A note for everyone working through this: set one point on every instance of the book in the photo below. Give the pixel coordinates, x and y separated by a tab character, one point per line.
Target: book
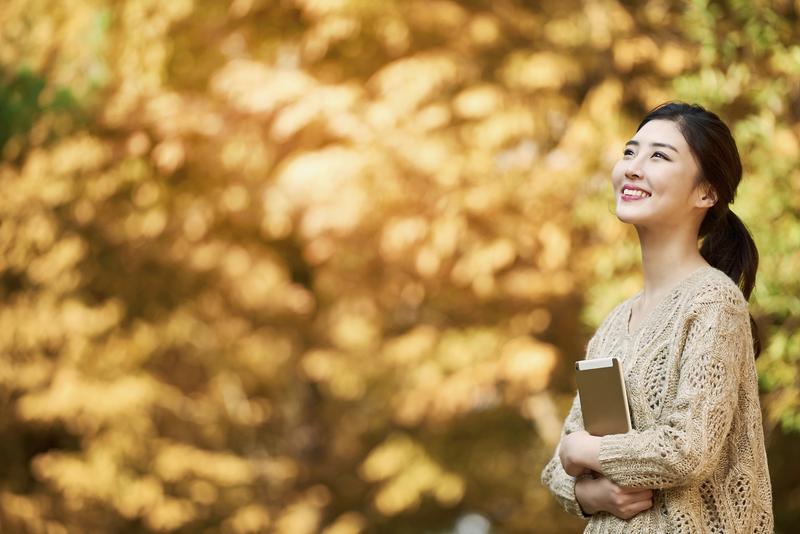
604	401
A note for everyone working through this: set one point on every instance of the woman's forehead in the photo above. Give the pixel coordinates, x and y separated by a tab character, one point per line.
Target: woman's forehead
661	131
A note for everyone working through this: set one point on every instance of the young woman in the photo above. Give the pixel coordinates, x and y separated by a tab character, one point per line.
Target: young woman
695	461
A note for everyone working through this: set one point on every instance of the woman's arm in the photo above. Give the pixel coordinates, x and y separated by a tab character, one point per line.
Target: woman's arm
602	495
687	446
560	484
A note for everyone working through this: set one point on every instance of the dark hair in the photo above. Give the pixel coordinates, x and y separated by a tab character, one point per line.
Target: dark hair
727	244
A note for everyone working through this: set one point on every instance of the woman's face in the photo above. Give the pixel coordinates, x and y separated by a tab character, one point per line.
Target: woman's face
658	161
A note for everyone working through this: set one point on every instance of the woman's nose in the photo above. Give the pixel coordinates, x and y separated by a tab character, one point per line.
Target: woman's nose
633	171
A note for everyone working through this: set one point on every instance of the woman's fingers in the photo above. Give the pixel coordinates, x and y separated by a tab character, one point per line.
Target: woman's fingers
623	502
631	493
631	503
639	495
627	500
632	509
624	489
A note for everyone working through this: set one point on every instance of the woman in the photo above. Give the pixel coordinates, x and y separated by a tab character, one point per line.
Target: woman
695	461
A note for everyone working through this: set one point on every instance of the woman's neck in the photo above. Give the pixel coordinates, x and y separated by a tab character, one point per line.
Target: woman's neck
667	258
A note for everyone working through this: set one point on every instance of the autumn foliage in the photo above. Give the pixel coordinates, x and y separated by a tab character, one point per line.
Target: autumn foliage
323	266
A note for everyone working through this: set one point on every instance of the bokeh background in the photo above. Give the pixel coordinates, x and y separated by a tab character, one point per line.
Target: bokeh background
302	266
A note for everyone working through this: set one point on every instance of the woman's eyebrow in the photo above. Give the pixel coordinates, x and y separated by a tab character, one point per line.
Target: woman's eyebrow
665	145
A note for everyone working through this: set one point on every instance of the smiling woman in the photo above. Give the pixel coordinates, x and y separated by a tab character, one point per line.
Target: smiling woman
658	162
695	461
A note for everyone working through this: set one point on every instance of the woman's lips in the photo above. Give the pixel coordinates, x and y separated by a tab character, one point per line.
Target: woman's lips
625	197
632	197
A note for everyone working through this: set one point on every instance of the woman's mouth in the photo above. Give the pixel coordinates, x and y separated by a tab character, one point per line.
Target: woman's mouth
633	194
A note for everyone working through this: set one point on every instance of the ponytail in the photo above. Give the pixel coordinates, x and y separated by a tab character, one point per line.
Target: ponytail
728	246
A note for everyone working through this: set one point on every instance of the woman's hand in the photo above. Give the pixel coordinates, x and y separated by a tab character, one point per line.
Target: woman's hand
578	452
601	495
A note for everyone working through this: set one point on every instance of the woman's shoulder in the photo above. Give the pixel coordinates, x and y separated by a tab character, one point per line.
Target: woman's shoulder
714	286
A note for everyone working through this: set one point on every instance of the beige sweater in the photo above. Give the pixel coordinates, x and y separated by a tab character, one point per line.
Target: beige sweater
697	437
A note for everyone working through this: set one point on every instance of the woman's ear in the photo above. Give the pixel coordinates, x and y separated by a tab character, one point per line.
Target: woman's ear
707	196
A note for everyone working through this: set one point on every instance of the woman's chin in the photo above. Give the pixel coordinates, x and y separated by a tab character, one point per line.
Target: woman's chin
629	218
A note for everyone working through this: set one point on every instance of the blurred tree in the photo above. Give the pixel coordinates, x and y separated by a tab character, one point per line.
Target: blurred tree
323	266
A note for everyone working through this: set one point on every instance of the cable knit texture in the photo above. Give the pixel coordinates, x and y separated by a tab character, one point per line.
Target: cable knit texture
697	438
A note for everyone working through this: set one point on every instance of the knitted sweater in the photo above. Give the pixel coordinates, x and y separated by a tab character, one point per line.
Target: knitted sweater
697	438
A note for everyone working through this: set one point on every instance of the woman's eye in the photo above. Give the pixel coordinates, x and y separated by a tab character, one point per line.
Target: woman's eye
629	152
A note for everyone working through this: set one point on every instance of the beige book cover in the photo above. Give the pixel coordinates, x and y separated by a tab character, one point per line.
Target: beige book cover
604	401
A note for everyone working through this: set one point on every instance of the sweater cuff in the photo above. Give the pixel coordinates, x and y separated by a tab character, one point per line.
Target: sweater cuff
614	456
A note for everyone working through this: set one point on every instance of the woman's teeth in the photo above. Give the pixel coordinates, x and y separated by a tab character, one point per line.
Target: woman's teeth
635	192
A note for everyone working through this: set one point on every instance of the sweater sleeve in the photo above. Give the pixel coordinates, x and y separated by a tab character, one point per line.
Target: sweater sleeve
688	443
560	484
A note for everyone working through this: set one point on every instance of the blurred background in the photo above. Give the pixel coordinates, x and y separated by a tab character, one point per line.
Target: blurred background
300	266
